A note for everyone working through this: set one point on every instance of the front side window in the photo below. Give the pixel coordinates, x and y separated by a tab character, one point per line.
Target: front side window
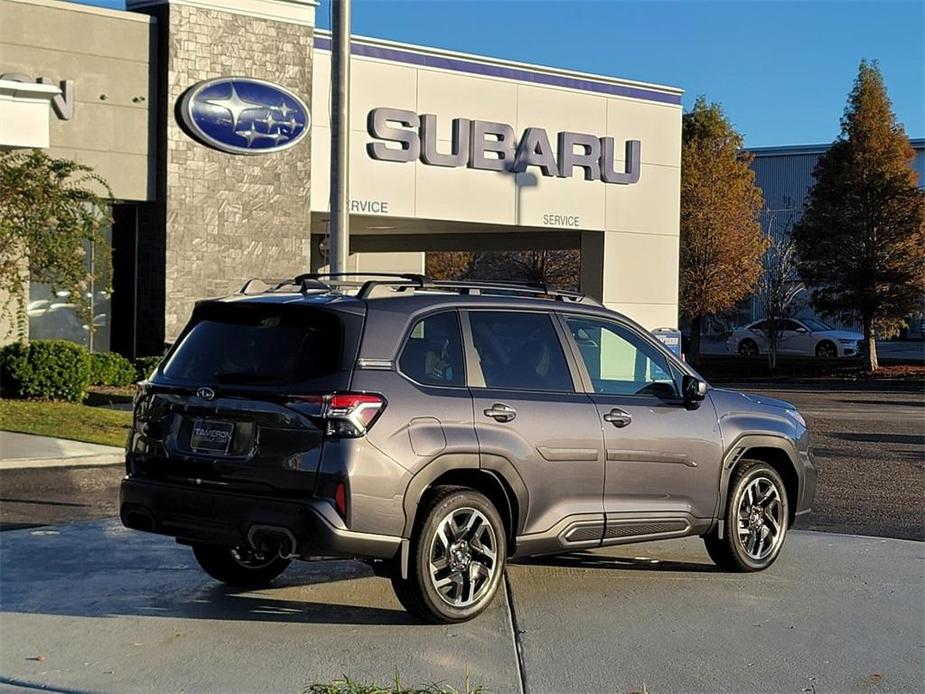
433	354
519	351
619	362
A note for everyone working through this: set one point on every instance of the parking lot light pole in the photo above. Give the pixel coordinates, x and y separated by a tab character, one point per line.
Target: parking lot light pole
339	224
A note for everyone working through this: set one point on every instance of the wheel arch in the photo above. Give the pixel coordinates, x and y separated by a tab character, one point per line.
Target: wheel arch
776	451
505	490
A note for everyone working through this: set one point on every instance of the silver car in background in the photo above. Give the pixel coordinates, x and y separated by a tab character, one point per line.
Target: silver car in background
805	337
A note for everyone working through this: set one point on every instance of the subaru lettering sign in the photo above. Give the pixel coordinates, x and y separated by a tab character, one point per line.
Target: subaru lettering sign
244	116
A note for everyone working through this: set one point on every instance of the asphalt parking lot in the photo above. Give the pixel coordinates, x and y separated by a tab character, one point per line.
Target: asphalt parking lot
91	606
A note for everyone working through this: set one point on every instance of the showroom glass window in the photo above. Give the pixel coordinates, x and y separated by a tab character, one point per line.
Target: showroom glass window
53	315
620	362
433	353
519	351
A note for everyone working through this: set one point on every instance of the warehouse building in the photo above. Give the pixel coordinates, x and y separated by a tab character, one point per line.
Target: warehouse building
211	126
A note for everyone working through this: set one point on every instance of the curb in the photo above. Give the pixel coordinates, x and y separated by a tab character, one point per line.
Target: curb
72	461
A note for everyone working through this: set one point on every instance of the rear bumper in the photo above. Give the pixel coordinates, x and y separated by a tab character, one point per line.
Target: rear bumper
222	518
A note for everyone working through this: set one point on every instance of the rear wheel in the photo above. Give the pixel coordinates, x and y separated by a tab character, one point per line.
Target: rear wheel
748	348
755	522
456	559
826	350
238	566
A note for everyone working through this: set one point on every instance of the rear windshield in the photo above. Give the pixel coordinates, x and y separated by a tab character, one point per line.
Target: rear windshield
265	345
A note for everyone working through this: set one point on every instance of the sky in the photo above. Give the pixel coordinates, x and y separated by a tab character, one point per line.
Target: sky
782	70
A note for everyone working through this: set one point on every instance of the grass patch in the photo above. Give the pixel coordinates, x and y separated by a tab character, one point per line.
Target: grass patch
349	686
65	420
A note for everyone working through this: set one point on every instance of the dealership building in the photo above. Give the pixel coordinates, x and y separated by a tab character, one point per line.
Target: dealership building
210	121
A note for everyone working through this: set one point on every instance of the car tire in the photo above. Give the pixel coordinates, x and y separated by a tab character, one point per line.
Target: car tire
238	567
456	557
826	350
748	348
755	524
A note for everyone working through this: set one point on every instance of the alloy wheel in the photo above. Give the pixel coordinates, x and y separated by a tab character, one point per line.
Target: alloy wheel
463	557
748	348
826	350
759	520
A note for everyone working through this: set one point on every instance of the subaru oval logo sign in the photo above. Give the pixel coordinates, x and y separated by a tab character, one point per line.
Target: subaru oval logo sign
205	393
244	116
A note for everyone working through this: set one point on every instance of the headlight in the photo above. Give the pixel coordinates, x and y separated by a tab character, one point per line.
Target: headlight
846	342
797	417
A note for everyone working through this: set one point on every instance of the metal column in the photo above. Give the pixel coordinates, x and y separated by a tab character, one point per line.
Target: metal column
339	224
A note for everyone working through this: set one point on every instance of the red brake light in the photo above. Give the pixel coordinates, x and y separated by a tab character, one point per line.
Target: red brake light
340	500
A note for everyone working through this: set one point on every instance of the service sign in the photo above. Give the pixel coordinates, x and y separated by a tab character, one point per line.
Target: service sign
242	115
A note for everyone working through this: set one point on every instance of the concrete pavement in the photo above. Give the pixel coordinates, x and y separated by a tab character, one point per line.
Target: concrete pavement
91	606
19	451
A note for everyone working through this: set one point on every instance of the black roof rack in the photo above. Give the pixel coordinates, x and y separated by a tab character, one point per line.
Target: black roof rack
310	281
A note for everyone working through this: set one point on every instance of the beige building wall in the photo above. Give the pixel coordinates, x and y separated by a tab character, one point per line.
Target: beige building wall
106	53
629	232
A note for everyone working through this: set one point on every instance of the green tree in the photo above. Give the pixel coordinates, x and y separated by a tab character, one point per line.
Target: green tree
721	239
50	214
861	240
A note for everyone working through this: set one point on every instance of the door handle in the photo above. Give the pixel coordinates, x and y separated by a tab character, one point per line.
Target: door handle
619	418
501	412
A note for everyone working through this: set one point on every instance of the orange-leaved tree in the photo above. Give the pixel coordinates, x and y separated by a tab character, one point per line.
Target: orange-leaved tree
861	240
721	245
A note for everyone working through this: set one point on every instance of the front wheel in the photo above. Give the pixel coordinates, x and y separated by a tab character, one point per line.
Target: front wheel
756	520
456	560
748	348
826	350
237	566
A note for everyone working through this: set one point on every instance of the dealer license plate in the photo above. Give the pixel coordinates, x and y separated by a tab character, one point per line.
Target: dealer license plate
211	436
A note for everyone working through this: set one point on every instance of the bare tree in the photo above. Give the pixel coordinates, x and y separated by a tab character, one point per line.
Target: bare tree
779	283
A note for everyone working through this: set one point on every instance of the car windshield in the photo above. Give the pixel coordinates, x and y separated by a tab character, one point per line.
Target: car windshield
816	325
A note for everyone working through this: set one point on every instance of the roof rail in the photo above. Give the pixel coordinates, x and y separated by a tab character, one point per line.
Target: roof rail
327	281
400	279
535	289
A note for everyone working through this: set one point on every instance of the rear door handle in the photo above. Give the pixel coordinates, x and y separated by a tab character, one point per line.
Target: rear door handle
619	418
501	412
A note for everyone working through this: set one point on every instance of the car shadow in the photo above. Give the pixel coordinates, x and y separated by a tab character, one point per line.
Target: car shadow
223	603
592	560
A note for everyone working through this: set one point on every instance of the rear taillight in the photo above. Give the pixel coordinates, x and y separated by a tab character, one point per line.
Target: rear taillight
348	415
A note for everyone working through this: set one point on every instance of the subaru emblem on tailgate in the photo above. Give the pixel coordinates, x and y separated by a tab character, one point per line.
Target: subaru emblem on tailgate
205	393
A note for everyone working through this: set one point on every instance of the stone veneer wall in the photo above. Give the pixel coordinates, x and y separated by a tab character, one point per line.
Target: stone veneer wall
229	217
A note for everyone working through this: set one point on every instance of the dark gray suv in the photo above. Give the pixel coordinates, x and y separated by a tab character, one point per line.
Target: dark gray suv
436	429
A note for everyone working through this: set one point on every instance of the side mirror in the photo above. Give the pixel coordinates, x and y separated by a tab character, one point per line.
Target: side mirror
802	330
693	391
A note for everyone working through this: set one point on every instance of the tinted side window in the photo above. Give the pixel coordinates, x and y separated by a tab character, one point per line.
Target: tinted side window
620	362
519	351
433	354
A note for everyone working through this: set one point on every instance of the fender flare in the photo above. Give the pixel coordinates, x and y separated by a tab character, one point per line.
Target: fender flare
739	450
497	468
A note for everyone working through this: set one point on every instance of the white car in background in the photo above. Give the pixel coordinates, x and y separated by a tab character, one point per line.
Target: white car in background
806	337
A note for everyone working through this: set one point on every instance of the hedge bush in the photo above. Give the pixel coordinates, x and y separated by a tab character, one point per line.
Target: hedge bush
111	369
145	365
50	369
